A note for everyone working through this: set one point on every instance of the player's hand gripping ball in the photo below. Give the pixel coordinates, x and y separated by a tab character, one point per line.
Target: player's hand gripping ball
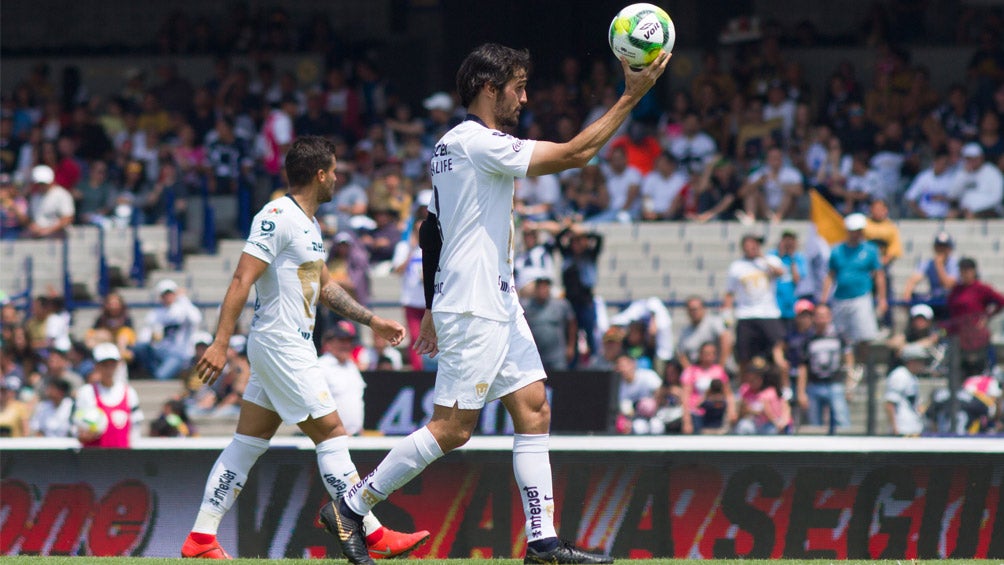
639	32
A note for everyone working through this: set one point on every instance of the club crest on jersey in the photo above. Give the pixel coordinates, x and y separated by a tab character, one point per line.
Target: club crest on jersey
481	389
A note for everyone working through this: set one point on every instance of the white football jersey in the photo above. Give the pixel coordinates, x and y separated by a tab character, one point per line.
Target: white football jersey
473	170
290	242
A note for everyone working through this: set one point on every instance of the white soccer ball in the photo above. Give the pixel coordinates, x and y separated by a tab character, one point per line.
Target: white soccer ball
639	32
92	420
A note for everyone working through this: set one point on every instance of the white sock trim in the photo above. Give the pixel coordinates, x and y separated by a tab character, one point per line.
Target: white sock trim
531	443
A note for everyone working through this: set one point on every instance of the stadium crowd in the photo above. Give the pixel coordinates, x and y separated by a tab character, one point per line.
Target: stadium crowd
745	142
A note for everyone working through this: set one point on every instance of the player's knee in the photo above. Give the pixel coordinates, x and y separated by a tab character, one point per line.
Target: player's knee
454	438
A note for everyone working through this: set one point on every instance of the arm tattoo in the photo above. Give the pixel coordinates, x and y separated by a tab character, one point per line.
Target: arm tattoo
335	297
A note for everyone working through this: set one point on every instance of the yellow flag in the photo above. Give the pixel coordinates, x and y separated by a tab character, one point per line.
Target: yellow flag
829	223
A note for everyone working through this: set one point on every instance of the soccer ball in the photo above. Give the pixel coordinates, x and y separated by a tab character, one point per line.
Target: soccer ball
639	32
93	420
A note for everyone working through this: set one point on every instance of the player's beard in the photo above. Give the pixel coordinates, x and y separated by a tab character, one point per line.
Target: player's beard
505	117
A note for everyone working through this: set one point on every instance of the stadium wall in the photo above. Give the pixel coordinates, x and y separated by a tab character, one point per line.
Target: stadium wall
723	497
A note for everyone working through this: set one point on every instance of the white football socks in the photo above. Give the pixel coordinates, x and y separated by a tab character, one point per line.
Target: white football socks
339	473
226	480
531	464
404	462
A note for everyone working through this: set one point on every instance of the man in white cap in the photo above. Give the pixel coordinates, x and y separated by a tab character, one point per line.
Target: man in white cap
440	107
858	282
978	188
51	206
165	343
114	397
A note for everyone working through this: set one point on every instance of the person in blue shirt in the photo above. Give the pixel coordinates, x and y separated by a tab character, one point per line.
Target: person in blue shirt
941	273
794	269
858	282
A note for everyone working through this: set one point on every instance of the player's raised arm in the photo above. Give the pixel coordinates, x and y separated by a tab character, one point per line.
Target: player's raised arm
249	269
551	157
341	302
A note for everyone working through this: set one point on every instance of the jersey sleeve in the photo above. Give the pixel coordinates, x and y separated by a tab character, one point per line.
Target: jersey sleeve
269	233
500	153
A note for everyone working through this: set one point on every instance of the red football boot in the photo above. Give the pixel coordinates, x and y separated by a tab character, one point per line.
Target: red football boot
385	543
197	550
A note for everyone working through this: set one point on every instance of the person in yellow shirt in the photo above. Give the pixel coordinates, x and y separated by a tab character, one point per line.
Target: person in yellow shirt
884	233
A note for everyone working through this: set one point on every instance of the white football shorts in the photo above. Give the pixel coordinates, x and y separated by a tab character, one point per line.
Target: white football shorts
288	384
481	359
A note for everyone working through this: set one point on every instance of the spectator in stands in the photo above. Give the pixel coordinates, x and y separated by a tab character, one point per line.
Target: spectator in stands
798	334
773	190
381	240
662	190
861	186
534	260
440	118
858	134
167	198
763	409
971	304
670	398
928	194
350	199
794	269
52	414
115	397
611	346
902	393
14	217
380	356
624	188
941	272
580	251
696	381
716	191
345	382
115	325
977	190
552	323
227	158
348	263
693	148
956	116
537	197
921	331
173	421
649	336
51	205
49	322
67	171
825	359
14	414
164	344
228	389
636	389
94	196
703	327
884	233
275	137
58	367
641	148
751	300
858	285
407	262
586	193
